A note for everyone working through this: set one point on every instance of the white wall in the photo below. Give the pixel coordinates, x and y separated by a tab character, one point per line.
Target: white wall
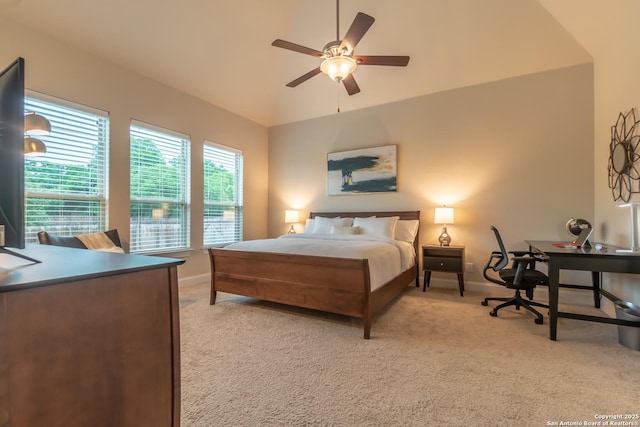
58	70
516	153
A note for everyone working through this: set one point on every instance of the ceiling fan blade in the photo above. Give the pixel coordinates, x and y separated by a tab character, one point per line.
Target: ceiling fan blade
296	47
350	85
397	61
304	78
359	27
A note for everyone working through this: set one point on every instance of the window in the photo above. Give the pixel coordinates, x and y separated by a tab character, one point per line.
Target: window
222	194
66	189
159	189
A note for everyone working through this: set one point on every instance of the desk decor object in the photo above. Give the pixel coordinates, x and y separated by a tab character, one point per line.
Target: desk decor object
624	175
367	170
575	226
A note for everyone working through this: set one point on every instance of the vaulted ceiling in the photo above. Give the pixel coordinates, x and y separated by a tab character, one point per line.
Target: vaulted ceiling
220	51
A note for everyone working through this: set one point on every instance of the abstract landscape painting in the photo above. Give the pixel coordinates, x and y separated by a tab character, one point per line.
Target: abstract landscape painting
367	170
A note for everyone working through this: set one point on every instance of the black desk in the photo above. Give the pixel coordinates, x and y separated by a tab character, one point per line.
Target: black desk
583	259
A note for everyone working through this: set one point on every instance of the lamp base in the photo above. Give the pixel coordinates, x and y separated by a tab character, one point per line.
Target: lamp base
444	239
291	230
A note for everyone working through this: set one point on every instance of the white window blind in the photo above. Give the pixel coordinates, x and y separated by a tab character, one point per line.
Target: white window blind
223	175
66	189
160	170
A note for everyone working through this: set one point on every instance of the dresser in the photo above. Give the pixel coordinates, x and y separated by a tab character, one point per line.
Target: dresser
89	339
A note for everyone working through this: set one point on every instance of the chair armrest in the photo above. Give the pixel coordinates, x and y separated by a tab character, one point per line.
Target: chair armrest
520	264
499	263
532	255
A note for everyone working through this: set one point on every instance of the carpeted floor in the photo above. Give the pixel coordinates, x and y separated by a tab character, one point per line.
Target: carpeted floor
434	358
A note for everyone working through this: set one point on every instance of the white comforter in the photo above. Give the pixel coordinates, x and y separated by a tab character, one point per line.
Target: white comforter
387	257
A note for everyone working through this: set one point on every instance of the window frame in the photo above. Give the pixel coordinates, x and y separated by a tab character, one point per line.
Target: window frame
237	204
182	202
64	132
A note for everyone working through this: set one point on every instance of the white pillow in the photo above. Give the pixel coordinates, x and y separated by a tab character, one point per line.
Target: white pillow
323	225
406	230
344	230
308	226
385	227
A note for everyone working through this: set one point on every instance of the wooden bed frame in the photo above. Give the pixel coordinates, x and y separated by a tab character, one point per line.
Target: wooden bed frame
335	285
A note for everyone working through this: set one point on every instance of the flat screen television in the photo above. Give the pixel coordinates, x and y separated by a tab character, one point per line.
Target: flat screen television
12	158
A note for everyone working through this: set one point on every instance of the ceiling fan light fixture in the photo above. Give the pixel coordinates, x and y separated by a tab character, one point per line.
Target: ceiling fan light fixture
338	67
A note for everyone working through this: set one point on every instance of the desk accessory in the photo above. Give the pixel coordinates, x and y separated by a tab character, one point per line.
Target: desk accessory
575	225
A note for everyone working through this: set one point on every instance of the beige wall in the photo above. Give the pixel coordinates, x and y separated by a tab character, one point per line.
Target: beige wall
60	71
517	154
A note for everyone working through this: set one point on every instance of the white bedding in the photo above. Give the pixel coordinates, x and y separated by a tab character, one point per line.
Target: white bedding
387	257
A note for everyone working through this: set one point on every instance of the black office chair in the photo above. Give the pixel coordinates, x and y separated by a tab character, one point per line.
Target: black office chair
521	276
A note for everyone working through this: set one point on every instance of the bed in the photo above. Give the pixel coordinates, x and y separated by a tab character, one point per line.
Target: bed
336	284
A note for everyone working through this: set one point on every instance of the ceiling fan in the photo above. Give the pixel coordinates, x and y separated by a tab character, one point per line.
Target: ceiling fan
339	61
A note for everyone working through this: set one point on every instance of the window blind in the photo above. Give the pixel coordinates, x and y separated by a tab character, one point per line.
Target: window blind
66	189
160	169
223	205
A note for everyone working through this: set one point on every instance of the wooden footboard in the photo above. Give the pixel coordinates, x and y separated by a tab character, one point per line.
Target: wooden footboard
335	285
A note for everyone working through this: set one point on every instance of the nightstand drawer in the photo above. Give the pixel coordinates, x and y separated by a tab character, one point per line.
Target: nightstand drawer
453	265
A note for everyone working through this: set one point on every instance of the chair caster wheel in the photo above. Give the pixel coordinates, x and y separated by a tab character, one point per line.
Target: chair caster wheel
484	303
493	314
538	321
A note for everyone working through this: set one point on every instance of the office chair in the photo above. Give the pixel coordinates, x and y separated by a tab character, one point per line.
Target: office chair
521	276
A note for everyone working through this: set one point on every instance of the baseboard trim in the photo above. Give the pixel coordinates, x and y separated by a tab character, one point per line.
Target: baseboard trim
194	280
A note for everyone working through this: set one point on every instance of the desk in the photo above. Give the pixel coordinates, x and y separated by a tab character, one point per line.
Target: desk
583	259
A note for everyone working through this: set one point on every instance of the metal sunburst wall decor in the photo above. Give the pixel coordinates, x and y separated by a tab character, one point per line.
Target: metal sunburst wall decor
624	175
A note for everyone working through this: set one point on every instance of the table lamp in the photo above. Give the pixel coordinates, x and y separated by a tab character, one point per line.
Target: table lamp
444	216
291	217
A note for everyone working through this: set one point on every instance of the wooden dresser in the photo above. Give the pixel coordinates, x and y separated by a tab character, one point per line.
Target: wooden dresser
89	338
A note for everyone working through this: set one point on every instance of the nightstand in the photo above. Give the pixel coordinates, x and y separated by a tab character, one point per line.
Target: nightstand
448	259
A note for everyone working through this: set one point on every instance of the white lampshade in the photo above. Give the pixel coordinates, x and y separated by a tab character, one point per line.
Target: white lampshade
338	67
35	124
443	215
291	217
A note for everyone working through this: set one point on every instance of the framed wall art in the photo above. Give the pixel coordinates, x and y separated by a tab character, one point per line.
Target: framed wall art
366	170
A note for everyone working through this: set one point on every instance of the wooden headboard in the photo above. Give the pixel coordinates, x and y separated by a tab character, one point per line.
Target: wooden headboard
402	214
